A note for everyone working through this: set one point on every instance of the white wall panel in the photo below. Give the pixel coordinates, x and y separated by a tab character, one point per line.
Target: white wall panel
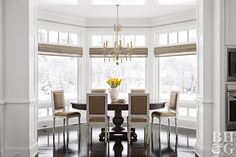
19	75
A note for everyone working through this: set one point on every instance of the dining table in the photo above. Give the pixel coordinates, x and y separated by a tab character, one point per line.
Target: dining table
118	130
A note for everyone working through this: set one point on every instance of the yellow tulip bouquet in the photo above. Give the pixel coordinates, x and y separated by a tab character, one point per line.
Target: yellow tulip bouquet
114	82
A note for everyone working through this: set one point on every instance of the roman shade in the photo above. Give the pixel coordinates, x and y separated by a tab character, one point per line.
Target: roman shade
60	50
99	52
175	50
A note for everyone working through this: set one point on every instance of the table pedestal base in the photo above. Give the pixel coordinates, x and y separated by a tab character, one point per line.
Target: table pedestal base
122	135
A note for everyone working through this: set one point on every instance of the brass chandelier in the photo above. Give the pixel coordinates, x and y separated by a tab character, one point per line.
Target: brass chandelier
118	52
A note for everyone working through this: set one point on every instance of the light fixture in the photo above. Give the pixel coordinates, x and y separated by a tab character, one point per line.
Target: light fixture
118	52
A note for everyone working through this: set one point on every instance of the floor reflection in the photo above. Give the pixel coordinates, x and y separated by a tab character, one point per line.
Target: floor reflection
75	145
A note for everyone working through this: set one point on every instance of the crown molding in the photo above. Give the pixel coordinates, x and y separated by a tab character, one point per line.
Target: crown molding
58	18
186	16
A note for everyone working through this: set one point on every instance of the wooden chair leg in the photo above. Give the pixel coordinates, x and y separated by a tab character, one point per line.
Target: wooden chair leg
168	135
159	126
79	126
54	124
176	127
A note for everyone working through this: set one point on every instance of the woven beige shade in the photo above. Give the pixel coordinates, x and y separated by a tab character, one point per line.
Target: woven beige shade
175	50
99	52
60	50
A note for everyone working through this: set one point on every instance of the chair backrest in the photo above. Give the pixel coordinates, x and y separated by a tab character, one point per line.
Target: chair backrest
96	105
98	90
174	98
139	104
58	101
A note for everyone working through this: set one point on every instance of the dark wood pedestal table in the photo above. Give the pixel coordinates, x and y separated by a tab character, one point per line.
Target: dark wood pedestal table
118	130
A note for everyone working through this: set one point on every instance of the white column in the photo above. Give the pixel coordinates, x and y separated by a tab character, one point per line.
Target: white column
1	81
20	108
210	104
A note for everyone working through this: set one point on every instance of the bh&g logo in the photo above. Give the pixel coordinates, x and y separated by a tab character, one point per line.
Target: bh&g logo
223	143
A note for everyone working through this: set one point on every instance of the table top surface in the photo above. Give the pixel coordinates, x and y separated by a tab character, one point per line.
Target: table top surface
153	104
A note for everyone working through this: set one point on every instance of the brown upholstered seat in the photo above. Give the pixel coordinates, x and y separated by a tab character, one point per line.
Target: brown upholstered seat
163	112
67	114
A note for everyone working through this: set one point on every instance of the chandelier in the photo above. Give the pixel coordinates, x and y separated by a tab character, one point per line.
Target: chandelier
118	52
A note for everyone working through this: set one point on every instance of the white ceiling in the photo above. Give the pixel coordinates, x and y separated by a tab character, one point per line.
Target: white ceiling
152	9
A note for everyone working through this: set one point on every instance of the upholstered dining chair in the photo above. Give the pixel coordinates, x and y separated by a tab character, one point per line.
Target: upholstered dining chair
59	110
169	111
138	113
97	113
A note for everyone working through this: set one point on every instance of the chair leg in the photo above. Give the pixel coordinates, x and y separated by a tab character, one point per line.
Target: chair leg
79	126
108	129
145	133
91	135
168	135
159	126
54	123
67	130
128	131
105	134
176	127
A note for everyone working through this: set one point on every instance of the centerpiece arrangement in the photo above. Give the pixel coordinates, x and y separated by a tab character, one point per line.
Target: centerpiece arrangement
114	83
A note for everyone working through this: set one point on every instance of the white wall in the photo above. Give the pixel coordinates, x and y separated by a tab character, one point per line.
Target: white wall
1	80
20	134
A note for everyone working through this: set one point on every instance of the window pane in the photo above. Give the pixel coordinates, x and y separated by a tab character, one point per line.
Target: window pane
56	72
183	36
110	39
178	73
97	41
42	112
192	112
140	41
53	37
73	39
192	35
43	36
173	38
132	72
182	111
128	39
163	39
63	38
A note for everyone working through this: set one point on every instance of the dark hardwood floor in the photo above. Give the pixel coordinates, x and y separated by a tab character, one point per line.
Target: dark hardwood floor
78	147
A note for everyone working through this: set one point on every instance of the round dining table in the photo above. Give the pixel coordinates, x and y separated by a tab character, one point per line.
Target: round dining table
118	130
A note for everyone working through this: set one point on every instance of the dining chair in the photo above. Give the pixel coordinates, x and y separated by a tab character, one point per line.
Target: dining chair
138	113
59	110
97	114
169	111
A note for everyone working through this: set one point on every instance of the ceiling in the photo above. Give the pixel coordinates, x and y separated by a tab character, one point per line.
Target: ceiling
151	8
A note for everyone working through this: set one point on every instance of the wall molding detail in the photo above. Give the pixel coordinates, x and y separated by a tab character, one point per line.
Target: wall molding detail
21	151
20	101
204	101
198	149
2	102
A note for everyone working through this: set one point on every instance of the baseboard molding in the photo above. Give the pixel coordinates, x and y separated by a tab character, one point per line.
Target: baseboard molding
21	151
1	153
198	150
